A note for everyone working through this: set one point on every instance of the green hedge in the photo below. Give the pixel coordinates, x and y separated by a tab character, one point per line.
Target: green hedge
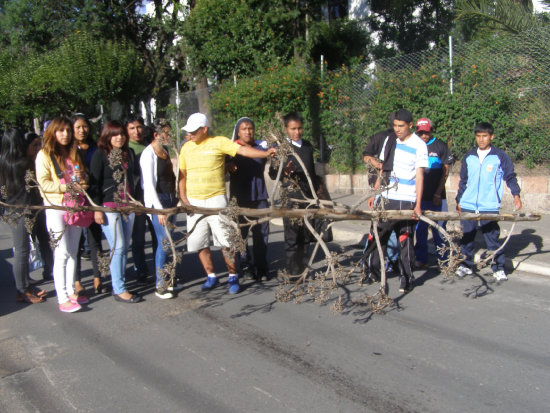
354	103
278	91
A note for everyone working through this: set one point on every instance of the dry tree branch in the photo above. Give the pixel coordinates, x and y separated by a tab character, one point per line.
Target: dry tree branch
490	258
312	208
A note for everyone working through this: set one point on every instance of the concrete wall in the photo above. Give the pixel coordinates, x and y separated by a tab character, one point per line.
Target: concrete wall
535	190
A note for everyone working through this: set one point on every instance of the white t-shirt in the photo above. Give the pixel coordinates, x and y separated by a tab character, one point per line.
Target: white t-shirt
409	156
483	153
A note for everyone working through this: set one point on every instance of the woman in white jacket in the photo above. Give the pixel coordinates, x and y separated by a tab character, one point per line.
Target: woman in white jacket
159	187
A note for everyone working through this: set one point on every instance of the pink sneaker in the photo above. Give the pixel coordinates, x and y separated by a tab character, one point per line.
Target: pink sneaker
82	299
69	308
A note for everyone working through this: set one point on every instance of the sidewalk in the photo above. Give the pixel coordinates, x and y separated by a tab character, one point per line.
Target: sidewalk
525	251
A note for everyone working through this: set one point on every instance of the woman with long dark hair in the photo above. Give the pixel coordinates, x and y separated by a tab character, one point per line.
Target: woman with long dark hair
58	163
16	158
111	178
87	147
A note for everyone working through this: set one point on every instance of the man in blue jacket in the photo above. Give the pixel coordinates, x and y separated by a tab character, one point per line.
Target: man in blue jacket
482	175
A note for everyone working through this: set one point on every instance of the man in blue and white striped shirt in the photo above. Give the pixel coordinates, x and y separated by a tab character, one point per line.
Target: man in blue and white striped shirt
406	180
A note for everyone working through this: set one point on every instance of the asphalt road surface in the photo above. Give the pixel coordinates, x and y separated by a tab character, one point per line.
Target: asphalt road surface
470	345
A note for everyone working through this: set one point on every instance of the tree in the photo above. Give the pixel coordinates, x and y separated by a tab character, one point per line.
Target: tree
79	74
31	28
487	17
340	42
231	38
408	26
245	37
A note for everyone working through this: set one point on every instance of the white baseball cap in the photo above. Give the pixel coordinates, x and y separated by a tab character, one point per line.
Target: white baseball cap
196	121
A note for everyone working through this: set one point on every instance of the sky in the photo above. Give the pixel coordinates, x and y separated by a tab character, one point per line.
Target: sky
538	5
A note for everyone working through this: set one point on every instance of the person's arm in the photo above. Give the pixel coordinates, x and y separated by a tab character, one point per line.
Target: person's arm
182	184
96	185
373	149
517	202
419	182
370	201
48	183
511	180
148	179
439	190
371	160
249	152
462	182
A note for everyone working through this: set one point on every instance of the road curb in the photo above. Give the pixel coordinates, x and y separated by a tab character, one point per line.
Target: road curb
512	264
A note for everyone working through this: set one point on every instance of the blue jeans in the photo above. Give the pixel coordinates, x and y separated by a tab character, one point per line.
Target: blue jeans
421	246
167	201
123	230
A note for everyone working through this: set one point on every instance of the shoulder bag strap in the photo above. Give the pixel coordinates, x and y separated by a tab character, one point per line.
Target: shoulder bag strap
56	166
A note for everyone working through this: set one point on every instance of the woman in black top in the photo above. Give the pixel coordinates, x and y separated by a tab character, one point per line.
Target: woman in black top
111	181
18	152
92	234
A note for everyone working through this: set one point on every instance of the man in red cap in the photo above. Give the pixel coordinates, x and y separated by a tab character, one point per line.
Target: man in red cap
433	196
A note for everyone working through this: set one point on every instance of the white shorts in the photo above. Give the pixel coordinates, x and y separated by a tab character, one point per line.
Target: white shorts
200	237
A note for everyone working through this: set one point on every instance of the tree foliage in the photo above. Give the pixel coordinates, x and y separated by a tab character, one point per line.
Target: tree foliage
281	89
481	18
406	26
33	32
229	38
245	37
80	73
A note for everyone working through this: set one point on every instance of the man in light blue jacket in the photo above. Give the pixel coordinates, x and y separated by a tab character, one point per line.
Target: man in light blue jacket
482	175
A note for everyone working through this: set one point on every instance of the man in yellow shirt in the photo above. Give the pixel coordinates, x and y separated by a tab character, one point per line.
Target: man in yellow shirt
202	183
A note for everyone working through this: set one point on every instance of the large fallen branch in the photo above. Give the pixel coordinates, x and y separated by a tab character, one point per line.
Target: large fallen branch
293	286
326	213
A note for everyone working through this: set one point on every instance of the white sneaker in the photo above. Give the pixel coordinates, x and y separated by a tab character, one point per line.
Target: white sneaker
175	288
500	275
463	271
164	294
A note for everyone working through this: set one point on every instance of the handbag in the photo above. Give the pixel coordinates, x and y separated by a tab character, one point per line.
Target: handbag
76	218
35	260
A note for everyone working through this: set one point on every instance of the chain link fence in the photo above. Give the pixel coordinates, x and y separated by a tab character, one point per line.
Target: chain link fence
503	80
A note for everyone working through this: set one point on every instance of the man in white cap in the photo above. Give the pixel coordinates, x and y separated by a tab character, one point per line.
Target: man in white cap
202	183
433	195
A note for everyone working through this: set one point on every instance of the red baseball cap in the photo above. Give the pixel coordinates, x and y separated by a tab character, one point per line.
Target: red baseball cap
423	125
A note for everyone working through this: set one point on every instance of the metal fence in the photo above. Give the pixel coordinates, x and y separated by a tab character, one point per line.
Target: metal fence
509	73
504	79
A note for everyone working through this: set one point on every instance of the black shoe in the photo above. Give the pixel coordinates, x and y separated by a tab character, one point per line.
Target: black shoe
133	299
403	284
406	284
261	276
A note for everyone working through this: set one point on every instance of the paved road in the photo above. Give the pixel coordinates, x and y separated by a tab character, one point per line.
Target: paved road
470	345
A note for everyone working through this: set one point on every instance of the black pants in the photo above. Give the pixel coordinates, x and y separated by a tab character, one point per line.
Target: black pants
94	234
297	239
405	240
22	248
491	233
138	243
260	235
